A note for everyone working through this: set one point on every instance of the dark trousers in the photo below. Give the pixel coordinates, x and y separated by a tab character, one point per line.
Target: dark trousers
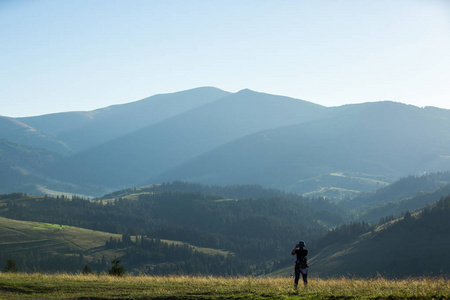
304	273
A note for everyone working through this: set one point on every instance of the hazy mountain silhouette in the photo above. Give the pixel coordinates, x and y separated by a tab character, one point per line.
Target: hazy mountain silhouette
14	130
149	151
82	130
21	165
384	138
210	136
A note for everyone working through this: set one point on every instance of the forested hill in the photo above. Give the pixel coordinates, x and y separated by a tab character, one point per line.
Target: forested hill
259	232
233	191
253	229
416	244
401	189
390	210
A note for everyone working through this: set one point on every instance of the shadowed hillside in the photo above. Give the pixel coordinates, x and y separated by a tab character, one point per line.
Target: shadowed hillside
23	168
414	244
130	159
209	136
406	187
16	131
384	138
21	165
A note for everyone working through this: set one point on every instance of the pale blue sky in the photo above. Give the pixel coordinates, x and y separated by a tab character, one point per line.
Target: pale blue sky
84	54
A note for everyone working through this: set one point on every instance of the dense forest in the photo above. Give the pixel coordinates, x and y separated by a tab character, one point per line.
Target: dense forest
253	235
151	256
404	188
252	230
413	245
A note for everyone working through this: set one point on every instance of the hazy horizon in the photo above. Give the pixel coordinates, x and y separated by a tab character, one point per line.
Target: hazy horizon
114	104
83	55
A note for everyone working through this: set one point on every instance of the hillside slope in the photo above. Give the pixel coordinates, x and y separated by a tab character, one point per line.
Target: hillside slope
401	189
130	159
23	168
58	247
414	245
21	165
210	136
21	133
24	241
83	130
373	140
396	208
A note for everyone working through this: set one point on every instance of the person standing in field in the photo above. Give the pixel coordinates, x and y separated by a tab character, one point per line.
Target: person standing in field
301	264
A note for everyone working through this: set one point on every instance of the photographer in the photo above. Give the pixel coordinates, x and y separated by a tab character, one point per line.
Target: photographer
301	264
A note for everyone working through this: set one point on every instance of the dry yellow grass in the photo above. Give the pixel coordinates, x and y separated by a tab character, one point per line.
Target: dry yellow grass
17	286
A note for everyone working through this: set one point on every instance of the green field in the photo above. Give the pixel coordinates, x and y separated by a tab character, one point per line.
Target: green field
27	237
23	236
38	286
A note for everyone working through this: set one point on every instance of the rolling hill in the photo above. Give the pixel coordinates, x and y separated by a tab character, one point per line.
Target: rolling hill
415	244
128	160
42	246
252	230
21	165
23	168
406	187
55	239
396	208
210	136
21	133
383	140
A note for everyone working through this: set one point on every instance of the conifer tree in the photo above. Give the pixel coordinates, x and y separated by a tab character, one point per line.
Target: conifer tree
11	266
116	268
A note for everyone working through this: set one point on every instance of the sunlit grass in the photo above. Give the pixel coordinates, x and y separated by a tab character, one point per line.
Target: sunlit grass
13	286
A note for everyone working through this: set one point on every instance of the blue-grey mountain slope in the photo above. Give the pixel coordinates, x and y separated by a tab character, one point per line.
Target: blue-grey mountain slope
150	151
404	188
14	130
23	169
83	130
385	139
20	167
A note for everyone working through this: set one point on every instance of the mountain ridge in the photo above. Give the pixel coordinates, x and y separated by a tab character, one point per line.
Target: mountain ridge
104	124
216	137
335	144
159	146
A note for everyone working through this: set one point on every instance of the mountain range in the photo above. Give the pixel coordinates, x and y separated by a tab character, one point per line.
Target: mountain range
210	136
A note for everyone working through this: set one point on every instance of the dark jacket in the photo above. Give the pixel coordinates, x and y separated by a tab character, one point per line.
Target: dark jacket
301	261
301	252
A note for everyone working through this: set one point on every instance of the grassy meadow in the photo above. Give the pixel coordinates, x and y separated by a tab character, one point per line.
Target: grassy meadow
62	286
24	236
